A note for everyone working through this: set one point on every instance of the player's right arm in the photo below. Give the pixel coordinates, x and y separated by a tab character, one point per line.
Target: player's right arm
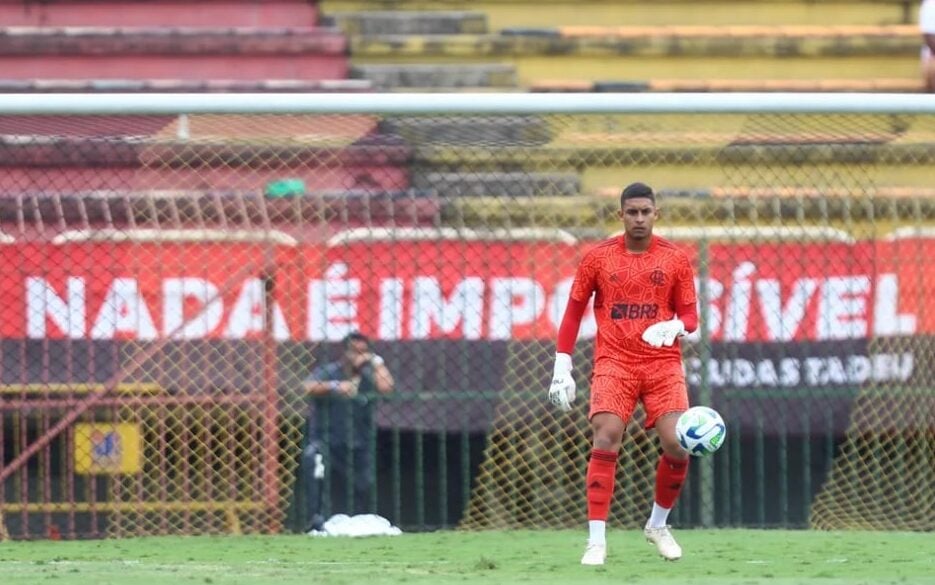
563	391
323	382
927	24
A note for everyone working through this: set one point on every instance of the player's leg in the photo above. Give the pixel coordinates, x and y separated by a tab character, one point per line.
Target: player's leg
612	404
340	465
363	479
313	476
670	473
664	402
608	429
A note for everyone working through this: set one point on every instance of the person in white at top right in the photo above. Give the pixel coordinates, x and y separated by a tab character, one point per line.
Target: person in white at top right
927	26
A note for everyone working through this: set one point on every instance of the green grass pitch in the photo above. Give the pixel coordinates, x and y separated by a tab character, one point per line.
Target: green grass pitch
723	557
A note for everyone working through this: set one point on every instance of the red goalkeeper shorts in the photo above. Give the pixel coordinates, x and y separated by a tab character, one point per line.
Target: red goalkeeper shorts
660	395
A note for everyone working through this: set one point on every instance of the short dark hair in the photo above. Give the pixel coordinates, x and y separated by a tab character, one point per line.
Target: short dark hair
355	336
637	191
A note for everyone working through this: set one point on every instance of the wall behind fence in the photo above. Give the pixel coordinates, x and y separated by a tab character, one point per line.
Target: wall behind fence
171	280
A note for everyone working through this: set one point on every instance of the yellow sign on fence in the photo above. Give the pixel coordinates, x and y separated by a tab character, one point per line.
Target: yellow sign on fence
107	448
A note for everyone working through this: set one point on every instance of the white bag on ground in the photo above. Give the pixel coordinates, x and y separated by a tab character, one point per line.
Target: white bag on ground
359	525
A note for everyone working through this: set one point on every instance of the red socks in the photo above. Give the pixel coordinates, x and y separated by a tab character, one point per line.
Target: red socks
602	470
670	475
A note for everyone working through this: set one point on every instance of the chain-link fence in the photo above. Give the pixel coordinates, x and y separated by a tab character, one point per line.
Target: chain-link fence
171	279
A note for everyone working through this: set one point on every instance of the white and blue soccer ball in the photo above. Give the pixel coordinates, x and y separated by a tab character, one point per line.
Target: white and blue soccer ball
701	430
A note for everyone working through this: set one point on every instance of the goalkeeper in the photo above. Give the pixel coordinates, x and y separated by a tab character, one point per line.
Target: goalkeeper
644	300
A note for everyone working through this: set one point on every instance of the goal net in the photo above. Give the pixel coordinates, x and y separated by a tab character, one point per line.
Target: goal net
176	268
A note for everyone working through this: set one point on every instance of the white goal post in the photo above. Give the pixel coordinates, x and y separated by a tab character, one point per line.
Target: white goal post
464	103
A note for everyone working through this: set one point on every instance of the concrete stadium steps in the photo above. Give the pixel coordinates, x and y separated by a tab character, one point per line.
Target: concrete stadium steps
184	86
876	85
178	169
493	131
453	76
173	53
802	53
679	151
858	213
685	152
502	14
19	132
168	13
34	216
44	214
497	183
864	167
408	22
23	133
184	156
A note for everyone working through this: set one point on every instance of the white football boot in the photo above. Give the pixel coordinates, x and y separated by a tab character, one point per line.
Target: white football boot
594	554
665	543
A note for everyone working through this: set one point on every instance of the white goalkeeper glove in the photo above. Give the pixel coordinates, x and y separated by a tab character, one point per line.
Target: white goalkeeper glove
664	333
562	392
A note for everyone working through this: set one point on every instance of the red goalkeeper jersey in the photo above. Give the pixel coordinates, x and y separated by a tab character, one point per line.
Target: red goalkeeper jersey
633	291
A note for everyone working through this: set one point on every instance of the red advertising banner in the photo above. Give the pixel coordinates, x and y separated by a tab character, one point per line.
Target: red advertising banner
440	289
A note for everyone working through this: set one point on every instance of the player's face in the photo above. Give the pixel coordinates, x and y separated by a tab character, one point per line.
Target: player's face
638	216
356	352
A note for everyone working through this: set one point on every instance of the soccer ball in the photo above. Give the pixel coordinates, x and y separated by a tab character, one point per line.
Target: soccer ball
700	430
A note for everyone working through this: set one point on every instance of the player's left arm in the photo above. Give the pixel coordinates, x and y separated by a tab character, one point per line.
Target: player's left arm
685	298
684	301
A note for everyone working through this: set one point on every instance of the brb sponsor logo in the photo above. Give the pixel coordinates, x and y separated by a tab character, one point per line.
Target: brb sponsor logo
634	311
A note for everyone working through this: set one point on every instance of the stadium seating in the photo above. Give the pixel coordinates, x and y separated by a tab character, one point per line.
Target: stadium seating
448	166
643	53
167	40
103	86
142	169
639	46
163	13
172	53
632	45
164	171
165	45
503	14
